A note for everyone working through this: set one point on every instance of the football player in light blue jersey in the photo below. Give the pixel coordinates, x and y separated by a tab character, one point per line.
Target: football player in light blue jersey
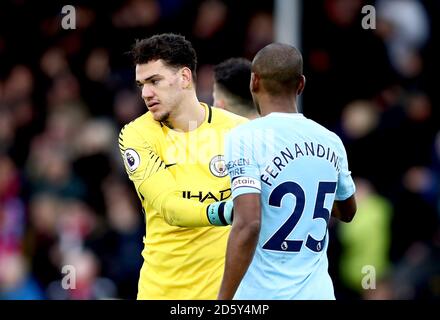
288	175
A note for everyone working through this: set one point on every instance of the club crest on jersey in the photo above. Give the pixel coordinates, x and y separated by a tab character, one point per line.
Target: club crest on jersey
217	166
132	159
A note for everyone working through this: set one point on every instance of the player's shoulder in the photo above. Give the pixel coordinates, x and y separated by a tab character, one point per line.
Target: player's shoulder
143	125
250	125
245	132
329	134
227	118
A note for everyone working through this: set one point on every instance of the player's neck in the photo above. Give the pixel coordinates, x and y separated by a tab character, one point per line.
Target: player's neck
269	104
189	116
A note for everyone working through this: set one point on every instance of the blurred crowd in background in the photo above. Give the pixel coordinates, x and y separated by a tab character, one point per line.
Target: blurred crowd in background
64	95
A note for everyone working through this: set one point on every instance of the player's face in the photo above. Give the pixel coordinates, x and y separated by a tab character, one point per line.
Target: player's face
161	89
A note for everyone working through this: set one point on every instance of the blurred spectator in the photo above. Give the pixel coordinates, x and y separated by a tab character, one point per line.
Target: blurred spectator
127	107
17	113
92	163
416	219
415	276
366	241
19	84
436	172
12	215
120	245
359	119
210	19
50	171
260	32
42	237
7	130
53	63
65	90
359	126
209	32
205	75
96	85
75	224
16	283
85	283
339	52
136	13
404	40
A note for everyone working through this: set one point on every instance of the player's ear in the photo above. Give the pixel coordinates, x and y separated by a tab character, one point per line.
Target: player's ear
254	85
186	76
301	85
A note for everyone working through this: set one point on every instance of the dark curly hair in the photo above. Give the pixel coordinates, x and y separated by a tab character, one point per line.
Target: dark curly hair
172	48
234	75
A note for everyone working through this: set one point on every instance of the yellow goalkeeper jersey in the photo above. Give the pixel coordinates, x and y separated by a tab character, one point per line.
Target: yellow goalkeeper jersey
176	176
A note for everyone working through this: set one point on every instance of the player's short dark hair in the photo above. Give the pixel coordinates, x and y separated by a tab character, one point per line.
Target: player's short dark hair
234	75
172	48
280	67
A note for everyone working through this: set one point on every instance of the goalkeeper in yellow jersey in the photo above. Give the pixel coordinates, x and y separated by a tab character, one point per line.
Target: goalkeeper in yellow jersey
174	156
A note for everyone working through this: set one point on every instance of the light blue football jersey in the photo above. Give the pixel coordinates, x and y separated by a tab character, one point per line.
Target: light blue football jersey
300	168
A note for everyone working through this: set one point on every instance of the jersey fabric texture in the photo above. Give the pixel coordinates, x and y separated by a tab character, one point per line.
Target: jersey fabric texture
176	175
299	168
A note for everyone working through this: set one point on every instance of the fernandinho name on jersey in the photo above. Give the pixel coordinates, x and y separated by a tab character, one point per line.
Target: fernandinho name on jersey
287	155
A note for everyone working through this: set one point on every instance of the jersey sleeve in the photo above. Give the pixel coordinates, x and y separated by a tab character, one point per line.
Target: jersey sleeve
155	185
242	167
345	187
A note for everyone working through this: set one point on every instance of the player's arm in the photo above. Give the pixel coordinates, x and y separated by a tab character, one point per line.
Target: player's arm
159	191
246	190
345	210
242	242
344	207
156	186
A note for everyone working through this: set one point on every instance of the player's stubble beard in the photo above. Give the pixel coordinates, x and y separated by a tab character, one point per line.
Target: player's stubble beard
164	118
160	115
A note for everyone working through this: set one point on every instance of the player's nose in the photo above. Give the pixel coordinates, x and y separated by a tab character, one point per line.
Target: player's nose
147	92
